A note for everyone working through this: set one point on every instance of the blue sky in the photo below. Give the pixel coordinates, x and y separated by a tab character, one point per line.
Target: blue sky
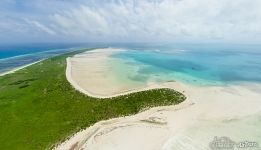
237	21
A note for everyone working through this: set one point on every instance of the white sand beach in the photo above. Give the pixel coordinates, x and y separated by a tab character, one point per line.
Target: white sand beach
89	73
207	112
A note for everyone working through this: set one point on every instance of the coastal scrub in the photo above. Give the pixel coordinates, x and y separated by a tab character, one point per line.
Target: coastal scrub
39	108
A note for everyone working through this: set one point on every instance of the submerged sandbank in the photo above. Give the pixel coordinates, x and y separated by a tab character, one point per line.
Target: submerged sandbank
209	111
91	74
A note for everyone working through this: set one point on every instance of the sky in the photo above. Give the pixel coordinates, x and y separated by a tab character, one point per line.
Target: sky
237	21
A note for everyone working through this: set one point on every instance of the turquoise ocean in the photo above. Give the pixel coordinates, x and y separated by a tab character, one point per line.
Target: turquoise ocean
202	64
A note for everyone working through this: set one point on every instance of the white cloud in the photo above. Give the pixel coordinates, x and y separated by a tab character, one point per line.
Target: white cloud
142	20
81	21
165	20
41	27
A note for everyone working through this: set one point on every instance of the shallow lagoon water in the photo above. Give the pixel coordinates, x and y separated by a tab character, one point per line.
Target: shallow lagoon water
221	66
194	66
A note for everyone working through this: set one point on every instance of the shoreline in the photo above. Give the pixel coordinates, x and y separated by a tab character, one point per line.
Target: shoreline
19	68
91	94
24	66
82	136
79	88
203	105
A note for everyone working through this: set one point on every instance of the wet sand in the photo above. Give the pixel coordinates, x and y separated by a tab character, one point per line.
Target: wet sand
208	111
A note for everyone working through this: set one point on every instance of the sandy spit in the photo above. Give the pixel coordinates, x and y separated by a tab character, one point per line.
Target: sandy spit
157	128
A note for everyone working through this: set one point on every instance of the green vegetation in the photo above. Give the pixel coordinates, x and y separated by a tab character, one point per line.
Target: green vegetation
39	108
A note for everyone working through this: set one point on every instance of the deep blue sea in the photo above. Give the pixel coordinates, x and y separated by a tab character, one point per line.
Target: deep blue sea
7	51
